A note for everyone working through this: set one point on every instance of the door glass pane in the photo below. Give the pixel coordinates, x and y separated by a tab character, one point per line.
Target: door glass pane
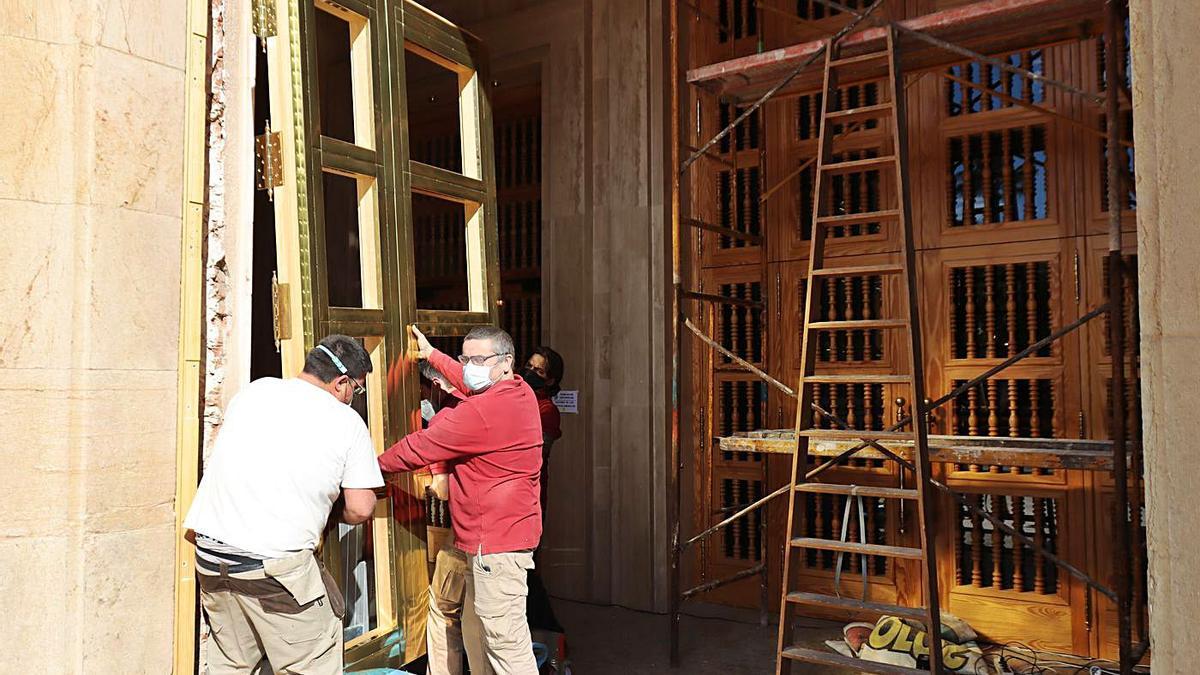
433	113
440	247
344	75
350	549
356	578
351	258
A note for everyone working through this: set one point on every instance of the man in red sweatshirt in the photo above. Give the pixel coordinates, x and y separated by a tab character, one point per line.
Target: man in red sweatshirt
492	440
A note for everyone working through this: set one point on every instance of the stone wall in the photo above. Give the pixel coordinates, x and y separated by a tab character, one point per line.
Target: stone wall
1166	57
91	147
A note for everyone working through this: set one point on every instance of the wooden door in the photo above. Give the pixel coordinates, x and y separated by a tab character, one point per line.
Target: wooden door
347	247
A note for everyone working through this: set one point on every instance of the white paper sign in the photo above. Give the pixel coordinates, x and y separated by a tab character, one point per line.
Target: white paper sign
567	401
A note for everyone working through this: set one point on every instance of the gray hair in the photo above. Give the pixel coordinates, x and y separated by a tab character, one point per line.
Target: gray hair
429	372
502	342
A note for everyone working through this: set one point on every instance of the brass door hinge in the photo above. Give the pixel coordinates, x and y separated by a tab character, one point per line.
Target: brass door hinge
268	164
281	311
263	18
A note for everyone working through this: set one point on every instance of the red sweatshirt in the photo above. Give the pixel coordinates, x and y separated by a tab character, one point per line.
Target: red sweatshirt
551	419
494	442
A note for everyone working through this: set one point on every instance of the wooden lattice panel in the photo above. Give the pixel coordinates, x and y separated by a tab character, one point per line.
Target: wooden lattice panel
989	87
738	204
740	328
738	20
997	176
999	310
988	558
745	136
742	541
520	222
808	108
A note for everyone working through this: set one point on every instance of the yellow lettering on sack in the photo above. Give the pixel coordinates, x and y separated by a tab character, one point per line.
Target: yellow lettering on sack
954	656
920	645
904	641
885	633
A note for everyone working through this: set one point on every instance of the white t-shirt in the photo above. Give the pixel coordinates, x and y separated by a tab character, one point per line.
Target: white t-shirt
285	450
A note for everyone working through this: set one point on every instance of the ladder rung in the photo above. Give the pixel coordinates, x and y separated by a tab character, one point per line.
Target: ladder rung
807	655
858	218
858	379
855	547
856	435
864	270
864	490
853	165
858	324
861	113
833	602
861	58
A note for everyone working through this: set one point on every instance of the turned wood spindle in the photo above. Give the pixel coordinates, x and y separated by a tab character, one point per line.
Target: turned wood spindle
969	276
1013	421
989	288
1010	307
973	417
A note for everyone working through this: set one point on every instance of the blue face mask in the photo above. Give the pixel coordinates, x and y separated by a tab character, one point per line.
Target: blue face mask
478	378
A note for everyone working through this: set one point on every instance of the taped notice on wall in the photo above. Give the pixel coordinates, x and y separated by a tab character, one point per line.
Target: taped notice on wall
567	401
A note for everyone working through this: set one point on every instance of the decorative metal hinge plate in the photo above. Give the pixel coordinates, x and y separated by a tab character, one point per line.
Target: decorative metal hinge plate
263	17
281	314
268	165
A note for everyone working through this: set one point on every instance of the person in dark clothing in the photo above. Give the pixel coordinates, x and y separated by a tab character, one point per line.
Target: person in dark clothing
543	372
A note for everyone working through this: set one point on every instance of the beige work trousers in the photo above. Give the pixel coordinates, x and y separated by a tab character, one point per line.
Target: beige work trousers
249	623
444	630
494	618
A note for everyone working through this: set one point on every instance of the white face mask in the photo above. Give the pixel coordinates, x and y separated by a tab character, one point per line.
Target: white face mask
476	377
427	410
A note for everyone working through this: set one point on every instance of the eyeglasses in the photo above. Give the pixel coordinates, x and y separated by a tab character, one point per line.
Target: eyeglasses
360	388
479	359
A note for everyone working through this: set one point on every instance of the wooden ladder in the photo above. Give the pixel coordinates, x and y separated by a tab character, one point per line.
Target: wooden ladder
908	323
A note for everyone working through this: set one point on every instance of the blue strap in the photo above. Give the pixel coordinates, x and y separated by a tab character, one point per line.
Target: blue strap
336	361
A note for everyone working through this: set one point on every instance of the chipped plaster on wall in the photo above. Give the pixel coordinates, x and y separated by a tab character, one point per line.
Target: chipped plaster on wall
216	276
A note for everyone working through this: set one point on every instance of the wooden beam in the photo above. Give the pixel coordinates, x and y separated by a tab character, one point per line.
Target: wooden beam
1038	453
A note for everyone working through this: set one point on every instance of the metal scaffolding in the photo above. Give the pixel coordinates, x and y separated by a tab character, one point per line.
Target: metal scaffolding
993	26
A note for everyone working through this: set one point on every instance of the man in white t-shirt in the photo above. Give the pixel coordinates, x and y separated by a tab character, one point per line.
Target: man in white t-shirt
287	450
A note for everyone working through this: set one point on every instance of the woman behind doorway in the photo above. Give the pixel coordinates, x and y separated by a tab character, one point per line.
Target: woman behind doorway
543	372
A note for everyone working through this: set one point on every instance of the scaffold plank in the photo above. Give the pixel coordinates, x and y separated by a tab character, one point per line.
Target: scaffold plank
987	27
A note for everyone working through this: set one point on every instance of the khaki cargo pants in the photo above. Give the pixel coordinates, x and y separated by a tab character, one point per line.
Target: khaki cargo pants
490	625
494	621
289	612
444	628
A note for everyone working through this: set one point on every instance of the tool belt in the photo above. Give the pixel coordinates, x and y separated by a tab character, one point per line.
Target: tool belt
273	595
